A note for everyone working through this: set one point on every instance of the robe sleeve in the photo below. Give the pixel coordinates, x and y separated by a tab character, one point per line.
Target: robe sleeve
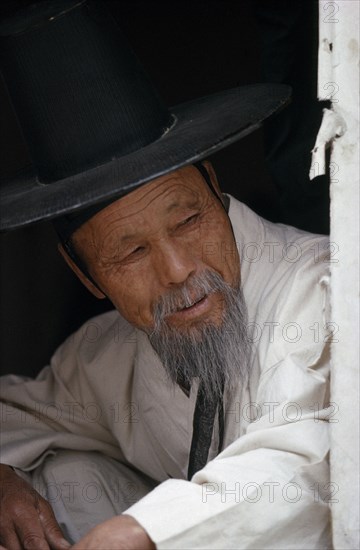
58	409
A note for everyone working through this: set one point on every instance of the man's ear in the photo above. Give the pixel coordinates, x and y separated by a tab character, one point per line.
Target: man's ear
85	281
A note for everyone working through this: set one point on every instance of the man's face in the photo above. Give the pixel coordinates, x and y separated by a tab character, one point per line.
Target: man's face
152	242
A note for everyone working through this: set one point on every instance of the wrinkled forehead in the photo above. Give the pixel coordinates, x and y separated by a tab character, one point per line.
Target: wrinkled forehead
151	203
184	181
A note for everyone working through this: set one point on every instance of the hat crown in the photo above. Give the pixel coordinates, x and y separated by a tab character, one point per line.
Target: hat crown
80	94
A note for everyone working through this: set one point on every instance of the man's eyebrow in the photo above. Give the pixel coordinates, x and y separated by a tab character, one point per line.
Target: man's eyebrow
176	204
123	239
129	237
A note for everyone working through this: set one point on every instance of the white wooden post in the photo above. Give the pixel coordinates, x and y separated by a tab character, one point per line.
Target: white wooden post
339	81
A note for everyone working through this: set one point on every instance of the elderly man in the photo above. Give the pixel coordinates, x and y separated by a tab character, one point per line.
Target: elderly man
194	415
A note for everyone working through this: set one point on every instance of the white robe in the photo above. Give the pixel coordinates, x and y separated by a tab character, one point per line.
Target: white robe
106	390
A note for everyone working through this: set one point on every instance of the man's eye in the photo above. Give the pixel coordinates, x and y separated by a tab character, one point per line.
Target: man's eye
133	253
190	220
136	250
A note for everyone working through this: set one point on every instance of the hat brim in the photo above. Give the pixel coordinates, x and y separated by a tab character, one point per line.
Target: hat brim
200	128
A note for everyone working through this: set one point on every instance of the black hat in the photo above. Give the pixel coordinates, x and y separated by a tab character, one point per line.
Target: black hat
95	126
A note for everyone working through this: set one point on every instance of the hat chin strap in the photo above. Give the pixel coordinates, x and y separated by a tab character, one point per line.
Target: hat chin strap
80	264
70	250
205	174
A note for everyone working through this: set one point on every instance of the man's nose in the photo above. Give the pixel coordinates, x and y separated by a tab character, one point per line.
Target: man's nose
174	263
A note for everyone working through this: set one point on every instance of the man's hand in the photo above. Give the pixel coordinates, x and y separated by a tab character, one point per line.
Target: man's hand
118	533
27	520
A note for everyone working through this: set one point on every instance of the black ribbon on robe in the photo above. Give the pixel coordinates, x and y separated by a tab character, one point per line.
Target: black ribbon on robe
203	426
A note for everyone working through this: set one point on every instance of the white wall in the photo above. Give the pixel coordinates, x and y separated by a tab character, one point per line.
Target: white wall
339	81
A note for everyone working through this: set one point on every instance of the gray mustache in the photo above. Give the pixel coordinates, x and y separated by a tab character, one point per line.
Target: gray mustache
195	289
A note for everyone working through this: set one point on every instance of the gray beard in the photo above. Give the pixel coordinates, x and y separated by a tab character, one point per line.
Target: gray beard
217	355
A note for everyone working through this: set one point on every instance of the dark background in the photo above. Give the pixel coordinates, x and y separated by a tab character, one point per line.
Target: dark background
189	49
